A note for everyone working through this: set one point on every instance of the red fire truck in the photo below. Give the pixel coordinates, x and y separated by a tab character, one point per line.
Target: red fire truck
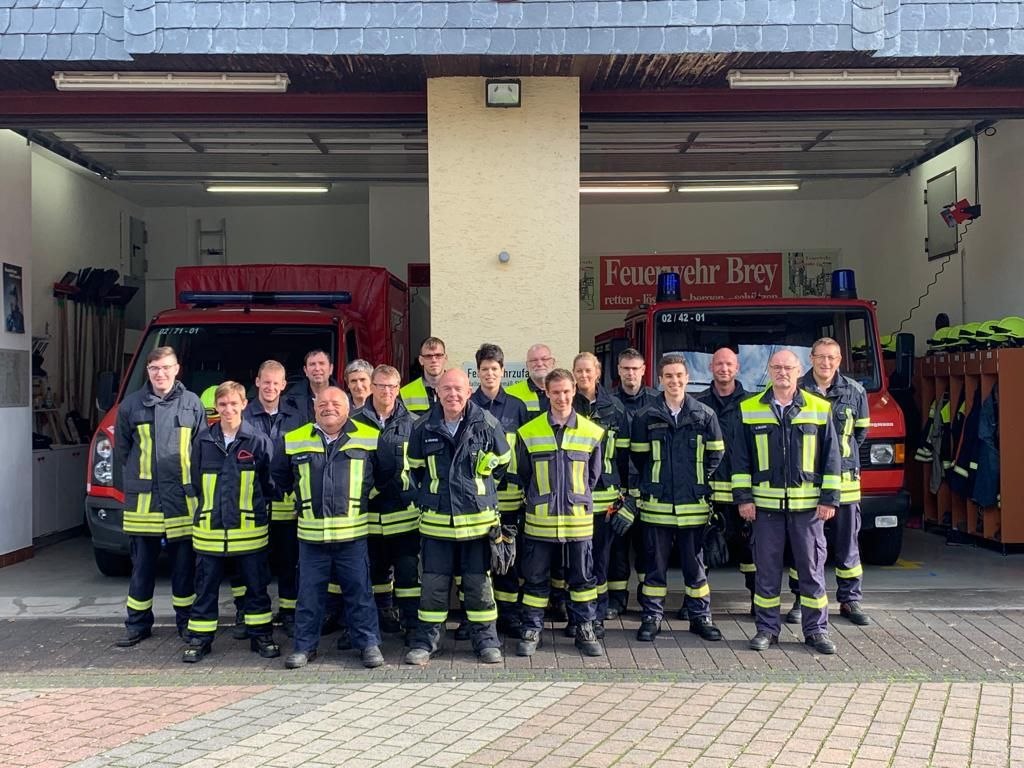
756	329
226	322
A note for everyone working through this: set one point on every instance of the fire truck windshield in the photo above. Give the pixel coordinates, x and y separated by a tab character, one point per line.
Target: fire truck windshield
214	353
756	333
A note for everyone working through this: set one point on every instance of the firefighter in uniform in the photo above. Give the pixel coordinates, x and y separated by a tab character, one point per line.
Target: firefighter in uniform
634	396
851	418
458	453
511	414
785	479
232	487
394	518
594	402
419	394
334	465
274	416
156	427
559	464
724	397
676	445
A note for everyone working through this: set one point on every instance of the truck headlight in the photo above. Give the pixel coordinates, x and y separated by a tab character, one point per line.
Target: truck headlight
882	453
102	467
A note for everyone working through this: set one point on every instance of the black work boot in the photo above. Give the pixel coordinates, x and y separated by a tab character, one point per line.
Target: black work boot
265	646
763	640
795	615
599	629
703	627
821	642
198	647
388	620
649	629
855	614
530	642
587	641
239	632
133	637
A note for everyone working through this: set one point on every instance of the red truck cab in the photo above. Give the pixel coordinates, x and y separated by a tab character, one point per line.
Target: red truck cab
756	329
226	322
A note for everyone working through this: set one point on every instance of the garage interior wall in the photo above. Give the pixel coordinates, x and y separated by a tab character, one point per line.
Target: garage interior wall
16	422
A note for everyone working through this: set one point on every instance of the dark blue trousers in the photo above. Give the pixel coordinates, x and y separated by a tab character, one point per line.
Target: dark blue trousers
284	561
806	535
659	541
604	540
145	552
345	563
536	564
252	572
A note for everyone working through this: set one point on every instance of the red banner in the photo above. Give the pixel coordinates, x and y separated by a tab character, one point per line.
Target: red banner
627	281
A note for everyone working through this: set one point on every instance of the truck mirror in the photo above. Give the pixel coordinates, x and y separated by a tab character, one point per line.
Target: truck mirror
903	374
106	390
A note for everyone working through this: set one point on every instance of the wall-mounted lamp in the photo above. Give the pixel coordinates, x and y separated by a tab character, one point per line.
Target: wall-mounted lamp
505	93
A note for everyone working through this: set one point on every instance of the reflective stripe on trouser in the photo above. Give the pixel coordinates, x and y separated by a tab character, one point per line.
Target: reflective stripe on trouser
252	572
399	555
579	569
439	559
145	552
604	539
346	563
659	541
284	562
807	538
849	573
619	570
738	543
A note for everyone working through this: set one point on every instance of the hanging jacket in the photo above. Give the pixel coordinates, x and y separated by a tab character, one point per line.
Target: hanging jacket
153	441
332	481
417	396
933	449
727	409
851	417
233	487
559	466
534	397
275	427
393	509
511	413
786	461
965	457
986	481
458	474
675	456
609	414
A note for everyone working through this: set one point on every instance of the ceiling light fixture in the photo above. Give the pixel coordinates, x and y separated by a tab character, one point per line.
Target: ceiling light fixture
271	189
844	78
262	82
624	189
767	187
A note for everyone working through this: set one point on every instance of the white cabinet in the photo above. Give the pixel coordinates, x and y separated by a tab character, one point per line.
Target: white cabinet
58	488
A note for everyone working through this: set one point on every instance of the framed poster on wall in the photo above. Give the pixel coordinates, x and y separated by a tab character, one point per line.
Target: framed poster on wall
940	193
14	317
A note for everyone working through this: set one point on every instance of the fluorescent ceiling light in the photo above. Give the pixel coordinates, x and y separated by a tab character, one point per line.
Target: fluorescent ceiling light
265	82
625	189
272	189
779	187
844	78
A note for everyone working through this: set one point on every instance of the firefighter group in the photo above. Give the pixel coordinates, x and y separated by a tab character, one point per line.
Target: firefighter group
368	504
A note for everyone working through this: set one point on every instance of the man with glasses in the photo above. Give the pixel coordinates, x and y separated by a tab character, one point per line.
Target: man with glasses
785	480
394	540
852	419
419	394
156	428
539	363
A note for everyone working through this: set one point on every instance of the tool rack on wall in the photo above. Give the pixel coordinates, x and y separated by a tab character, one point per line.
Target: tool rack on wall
963	373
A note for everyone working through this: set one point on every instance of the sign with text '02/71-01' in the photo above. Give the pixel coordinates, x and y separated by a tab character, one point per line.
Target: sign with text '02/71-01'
628	281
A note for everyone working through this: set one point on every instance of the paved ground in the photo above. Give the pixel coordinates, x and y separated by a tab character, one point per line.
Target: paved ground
938	681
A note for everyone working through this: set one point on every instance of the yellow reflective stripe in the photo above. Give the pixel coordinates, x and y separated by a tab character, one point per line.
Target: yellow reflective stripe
484	616
761	446
639	447
202	626
432	617
715	445
333	589
185	453
432	471
178	527
209	490
850	573
286	603
182	601
301	441
814	602
258	619
383	589
609	452
579	485
698	592
539	443
652	591
767	602
558	583
246	488
145	451
700	458
406	478
862	423
506	597
305	496
533	601
847	433
355	486
748	568
415	463
238	591
583	596
542	475
481	489
740	480
809	444
793	574
655	462
139	605
618	586
407	592
830	482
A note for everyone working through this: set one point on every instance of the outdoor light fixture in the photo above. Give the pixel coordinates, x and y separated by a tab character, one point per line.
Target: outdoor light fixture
271	189
505	93
844	78
755	187
262	82
625	189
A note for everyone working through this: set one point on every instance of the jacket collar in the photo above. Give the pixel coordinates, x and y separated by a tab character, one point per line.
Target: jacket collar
371	413
481	399
660	407
472	414
570	423
152	398
839	384
737	394
768	397
285	407
215	434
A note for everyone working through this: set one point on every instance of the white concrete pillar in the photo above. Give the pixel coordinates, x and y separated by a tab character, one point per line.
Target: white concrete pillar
504	180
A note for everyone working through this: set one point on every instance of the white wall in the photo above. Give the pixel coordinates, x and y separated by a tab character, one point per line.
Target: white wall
893	266
728	227
16	423
298	234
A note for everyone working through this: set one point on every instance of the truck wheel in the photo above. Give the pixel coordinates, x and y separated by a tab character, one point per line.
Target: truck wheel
111	563
881	546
